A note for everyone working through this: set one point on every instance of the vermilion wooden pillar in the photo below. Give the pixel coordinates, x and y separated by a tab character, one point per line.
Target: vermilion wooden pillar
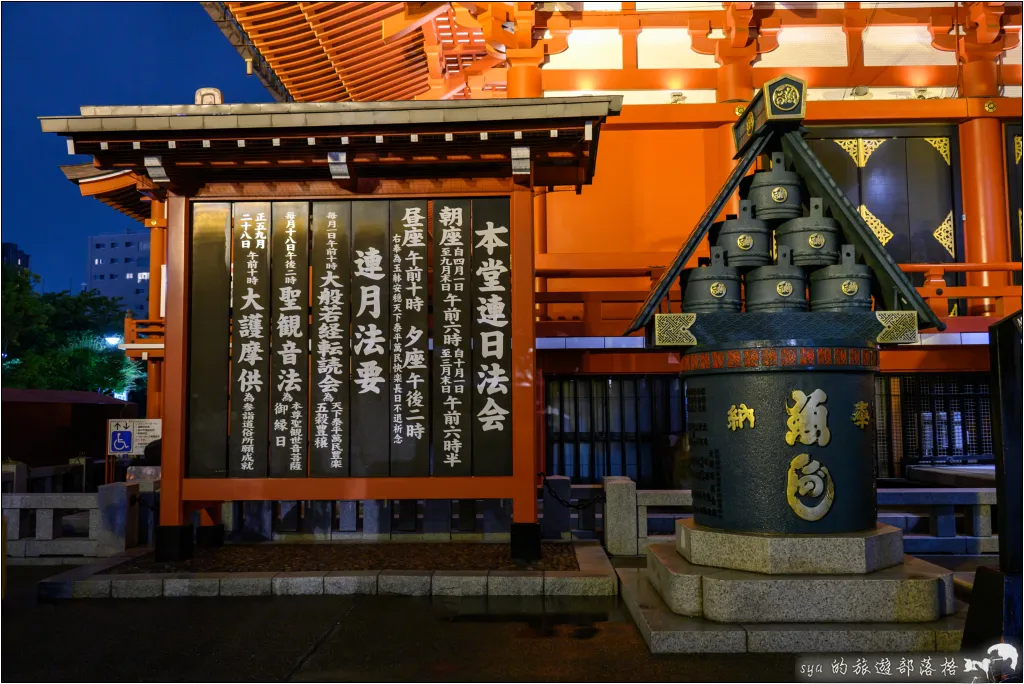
524	360
157	251
172	512
983	179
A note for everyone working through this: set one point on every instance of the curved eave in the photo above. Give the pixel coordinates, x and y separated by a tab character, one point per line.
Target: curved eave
116	189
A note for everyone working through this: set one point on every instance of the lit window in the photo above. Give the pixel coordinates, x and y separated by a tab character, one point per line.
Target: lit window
97	262
143	275
129	276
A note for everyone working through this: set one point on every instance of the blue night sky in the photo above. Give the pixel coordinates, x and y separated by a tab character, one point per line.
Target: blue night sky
59	56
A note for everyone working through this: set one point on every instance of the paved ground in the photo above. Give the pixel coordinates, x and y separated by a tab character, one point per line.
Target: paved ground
338	638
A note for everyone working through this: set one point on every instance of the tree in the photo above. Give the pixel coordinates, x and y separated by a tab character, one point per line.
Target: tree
54	340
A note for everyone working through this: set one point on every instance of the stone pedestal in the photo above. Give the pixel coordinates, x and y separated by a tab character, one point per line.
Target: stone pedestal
715	590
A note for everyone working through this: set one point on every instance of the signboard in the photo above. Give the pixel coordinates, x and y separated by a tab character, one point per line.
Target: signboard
131	436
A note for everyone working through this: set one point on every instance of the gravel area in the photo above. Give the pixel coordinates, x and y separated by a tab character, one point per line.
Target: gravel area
355	556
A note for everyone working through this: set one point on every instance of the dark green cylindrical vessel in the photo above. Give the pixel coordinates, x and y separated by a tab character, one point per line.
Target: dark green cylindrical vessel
814	239
776	288
776	193
747	241
713	288
782	438
843	287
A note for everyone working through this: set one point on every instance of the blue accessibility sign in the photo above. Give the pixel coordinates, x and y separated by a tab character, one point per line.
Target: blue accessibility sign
120	441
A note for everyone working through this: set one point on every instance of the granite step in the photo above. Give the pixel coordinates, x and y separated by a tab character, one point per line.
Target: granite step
666	632
914	591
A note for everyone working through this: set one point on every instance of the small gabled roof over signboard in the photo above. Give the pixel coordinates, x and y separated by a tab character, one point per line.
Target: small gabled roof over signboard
759	125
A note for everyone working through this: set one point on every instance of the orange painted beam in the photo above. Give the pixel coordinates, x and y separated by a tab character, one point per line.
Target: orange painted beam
102	186
968	358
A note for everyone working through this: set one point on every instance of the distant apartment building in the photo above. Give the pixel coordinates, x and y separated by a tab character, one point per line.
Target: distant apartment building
119	267
12	256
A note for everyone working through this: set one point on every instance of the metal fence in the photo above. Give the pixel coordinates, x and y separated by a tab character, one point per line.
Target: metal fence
614	425
633	425
932	419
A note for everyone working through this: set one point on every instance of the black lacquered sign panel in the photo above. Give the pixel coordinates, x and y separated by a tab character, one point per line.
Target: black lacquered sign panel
370	391
250	340
452	223
410	373
209	355
331	262
290	341
492	338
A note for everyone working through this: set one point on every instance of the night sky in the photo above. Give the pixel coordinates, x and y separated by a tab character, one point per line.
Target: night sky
59	56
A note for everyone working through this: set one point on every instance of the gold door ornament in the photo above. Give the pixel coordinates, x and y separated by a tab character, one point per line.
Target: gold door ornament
816	240
944	235
780	194
807	478
850	287
784	288
717	289
808	419
744	242
942	145
737	416
877	227
860	150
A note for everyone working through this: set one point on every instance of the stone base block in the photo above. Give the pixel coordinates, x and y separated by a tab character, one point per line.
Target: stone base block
459	583
666	632
136	586
510	583
351	582
206	585
674	579
829	554
298	584
915	591
247	584
404	582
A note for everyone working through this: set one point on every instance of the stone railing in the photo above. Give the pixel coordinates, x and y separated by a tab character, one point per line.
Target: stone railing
102	523
928	517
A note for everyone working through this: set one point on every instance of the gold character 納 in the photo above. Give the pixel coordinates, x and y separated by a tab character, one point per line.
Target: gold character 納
737	416
808	419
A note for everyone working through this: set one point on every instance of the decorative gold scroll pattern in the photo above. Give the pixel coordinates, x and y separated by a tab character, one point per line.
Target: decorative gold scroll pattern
940	144
944	234
877	227
852	147
1017	148
674	329
898	327
860	149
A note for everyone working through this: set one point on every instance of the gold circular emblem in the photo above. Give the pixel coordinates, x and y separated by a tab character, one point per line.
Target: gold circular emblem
750	123
786	98
784	288
850	288
717	289
780	194
990	106
739	110
816	240
744	242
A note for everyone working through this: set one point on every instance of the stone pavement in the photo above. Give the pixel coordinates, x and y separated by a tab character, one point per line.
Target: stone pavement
343	638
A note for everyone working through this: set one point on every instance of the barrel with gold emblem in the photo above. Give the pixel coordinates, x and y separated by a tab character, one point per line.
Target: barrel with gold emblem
843	287
781	287
747	241
814	239
781	436
716	287
776	192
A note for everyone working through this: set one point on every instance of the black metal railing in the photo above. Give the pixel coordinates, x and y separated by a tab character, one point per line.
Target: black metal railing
614	425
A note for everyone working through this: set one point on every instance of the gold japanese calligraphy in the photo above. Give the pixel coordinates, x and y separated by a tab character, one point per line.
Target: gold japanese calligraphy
784	288
744	242
816	240
786	97
808	419
737	416
850	287
807	478
717	289
780	194
860	416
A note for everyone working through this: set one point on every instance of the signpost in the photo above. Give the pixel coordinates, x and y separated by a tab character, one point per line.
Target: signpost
131	436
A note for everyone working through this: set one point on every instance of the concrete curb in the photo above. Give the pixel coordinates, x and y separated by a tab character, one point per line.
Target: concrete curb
596	577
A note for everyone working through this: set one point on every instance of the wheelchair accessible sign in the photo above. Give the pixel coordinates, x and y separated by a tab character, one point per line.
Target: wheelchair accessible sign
130	436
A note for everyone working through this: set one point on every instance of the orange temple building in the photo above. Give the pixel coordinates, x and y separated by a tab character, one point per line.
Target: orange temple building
914	108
